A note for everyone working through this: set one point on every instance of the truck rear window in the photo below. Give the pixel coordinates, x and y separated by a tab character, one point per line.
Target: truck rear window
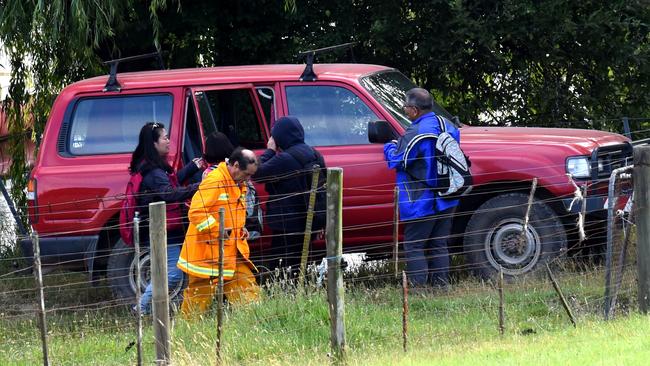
112	124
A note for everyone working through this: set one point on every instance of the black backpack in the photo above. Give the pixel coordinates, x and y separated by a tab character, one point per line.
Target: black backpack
306	172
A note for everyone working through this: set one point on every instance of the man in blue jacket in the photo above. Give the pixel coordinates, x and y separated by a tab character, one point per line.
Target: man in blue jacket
427	217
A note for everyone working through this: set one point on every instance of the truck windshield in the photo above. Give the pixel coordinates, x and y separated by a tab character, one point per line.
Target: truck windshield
389	88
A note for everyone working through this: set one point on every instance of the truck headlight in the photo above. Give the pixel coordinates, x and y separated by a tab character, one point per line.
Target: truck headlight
578	167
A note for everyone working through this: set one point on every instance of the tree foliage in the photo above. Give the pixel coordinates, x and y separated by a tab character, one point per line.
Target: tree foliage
49	44
519	62
500	62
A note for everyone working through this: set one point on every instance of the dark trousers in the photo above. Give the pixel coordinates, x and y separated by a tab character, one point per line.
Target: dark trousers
425	246
286	247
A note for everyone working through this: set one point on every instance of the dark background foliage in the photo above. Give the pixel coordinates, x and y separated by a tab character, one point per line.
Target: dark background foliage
502	62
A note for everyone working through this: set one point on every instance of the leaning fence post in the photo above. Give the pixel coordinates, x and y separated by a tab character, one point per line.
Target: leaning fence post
138	279
531	196
38	274
158	239
558	290
222	240
308	225
642	206
405	311
502	326
396	230
334	240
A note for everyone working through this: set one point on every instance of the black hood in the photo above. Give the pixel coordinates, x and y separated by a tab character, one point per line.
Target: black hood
287	132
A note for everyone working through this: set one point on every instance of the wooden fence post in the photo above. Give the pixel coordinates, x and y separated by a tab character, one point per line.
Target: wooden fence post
334	240
531	197
642	213
222	240
308	225
405	311
158	239
396	230
38	275
502	316
138	280
558	290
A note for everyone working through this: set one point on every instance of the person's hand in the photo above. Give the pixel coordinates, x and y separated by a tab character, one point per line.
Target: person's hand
245	234
200	163
271	144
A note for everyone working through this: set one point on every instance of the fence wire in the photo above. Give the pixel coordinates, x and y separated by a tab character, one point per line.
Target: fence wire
78	307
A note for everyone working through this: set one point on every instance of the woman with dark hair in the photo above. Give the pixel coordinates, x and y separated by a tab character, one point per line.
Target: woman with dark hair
161	183
217	149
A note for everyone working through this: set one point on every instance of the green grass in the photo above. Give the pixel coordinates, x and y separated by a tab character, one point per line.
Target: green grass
285	328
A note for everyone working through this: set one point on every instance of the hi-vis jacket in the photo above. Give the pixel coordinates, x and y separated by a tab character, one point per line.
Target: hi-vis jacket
200	253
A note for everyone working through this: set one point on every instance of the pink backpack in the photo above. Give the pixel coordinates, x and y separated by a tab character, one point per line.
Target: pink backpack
129	206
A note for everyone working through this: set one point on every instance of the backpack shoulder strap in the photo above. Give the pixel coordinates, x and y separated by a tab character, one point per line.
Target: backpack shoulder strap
441	123
414	141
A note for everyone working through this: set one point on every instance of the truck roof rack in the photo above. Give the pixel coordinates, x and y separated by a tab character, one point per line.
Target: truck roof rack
112	84
310	56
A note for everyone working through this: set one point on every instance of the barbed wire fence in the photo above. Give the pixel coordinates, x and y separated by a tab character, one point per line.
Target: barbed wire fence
110	314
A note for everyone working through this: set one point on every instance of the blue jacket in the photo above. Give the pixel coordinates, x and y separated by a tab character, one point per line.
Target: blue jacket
416	198
285	210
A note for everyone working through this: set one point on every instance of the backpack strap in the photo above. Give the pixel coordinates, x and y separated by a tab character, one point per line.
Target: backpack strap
441	123
414	141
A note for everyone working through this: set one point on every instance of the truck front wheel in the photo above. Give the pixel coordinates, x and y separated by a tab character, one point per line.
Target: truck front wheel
122	273
493	237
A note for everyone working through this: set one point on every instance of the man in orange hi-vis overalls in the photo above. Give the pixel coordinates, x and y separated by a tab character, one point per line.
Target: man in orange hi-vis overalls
223	187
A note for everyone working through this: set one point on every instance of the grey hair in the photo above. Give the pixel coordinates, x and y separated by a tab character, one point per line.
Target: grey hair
419	98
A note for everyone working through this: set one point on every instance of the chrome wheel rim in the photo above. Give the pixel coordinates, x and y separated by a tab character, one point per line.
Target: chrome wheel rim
506	247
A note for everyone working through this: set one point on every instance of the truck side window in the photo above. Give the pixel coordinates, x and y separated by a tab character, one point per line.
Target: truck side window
330	115
267	101
233	112
111	125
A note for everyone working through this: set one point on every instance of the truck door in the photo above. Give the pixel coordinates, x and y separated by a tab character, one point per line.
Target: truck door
335	119
234	110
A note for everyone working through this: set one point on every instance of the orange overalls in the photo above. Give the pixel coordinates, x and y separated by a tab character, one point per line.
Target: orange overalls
199	256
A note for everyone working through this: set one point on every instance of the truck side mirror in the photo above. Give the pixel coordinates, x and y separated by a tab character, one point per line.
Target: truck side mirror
379	132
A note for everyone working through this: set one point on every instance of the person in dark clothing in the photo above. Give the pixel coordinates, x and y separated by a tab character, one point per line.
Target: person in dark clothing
284	178
161	183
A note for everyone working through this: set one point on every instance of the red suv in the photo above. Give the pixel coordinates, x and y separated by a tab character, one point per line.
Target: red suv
348	111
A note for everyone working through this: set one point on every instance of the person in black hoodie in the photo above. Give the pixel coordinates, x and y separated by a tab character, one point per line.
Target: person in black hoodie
161	183
284	176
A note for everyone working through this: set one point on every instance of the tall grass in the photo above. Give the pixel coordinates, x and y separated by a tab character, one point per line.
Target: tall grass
292	327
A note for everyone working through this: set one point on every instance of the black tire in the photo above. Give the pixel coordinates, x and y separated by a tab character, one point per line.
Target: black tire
121	273
492	237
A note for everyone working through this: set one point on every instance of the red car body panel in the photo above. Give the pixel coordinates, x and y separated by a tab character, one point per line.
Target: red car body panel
80	195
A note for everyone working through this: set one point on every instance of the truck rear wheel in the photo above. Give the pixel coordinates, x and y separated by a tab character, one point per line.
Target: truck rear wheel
493	237
121	273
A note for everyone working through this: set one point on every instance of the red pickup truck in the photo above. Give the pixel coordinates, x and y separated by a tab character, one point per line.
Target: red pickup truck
348	111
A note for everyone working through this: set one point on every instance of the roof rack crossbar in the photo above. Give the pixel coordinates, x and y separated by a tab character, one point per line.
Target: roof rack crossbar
112	84
310	56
